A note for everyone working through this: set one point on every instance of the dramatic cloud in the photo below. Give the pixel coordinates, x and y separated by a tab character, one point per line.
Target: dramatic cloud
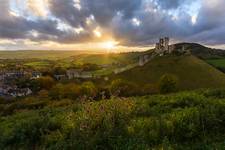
129	22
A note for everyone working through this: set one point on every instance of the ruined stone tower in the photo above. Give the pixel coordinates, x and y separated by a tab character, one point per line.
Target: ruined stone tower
163	46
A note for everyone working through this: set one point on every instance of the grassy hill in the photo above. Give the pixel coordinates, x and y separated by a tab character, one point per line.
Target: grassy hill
192	72
201	51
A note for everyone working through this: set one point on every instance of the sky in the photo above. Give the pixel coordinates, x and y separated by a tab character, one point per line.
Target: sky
118	25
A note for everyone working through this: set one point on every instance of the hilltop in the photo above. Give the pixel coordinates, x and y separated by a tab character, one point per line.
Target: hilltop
200	50
191	71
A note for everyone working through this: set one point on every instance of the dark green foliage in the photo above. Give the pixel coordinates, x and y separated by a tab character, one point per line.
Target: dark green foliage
46	82
149	89
59	70
60	91
73	91
187	120
216	93
121	87
168	84
88	90
26	130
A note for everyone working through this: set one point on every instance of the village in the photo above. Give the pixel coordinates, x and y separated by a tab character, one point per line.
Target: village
8	88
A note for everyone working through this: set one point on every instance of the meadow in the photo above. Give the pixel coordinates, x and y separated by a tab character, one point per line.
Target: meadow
185	120
220	62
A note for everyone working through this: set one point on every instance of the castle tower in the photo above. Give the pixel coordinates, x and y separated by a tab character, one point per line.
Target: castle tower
157	48
161	45
166	43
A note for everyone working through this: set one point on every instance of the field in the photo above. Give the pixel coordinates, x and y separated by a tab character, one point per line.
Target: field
187	120
80	56
217	62
192	73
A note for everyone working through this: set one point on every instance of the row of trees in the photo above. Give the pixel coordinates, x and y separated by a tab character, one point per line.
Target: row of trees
118	88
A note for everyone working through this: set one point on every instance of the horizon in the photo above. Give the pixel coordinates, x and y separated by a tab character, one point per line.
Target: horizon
109	26
103	51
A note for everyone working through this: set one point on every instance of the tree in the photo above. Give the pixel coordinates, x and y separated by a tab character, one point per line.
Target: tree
121	87
46	82
43	94
59	70
71	91
88	89
168	84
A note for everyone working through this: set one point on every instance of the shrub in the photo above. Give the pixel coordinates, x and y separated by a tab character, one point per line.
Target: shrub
46	82
124	88
167	84
56	93
43	94
103	93
60	91
71	91
215	93
149	89
88	90
99	124
26	130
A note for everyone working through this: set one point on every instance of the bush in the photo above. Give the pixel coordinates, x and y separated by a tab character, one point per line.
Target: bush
43	94
61	91
26	130
88	90
56	93
71	91
46	82
97	125
124	88
168	84
149	89
215	93
103	93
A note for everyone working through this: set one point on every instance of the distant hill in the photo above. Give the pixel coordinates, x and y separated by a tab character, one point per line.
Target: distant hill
191	71
201	51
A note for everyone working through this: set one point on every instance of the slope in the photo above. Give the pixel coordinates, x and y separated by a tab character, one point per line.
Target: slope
192	72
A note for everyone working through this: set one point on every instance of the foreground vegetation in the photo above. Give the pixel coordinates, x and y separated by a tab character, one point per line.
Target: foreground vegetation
186	120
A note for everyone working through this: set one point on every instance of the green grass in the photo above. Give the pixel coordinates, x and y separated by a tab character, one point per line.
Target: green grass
217	62
78	56
191	72
38	64
187	121
100	59
52	55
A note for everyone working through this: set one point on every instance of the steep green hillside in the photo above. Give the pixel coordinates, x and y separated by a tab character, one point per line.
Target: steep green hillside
201	51
192	72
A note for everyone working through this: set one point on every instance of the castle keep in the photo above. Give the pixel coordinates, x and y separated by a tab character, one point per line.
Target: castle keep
163	47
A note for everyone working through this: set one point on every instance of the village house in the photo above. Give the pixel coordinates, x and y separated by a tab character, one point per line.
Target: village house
78	73
14	91
20	92
36	75
60	77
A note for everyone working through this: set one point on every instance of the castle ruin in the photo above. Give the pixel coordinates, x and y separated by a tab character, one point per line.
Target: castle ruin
163	47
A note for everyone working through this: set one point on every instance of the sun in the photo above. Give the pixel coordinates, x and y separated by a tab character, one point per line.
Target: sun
109	45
